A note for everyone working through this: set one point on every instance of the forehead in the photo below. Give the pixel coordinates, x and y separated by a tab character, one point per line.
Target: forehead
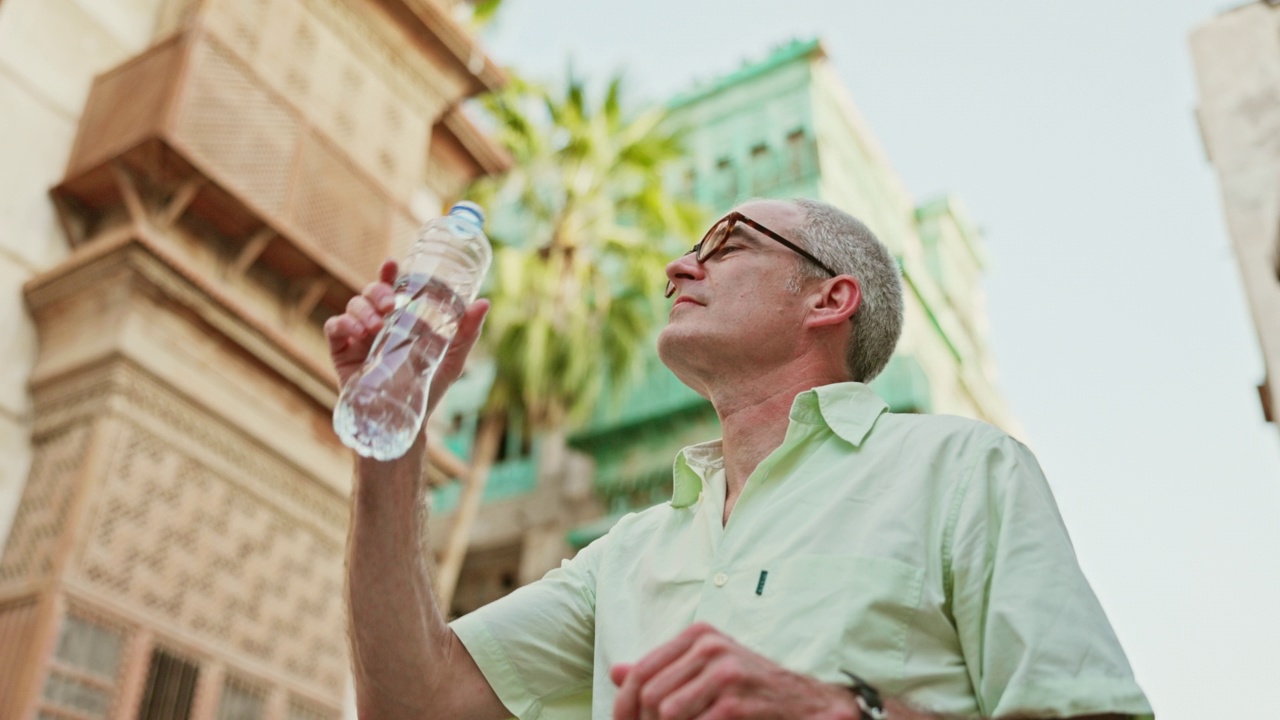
780	216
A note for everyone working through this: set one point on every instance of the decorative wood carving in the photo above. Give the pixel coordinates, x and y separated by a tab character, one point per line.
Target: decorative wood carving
186	506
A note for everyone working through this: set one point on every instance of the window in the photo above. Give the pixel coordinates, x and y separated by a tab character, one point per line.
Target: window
171	684
689	183
801	155
724	189
764	170
240	701
299	710
82	677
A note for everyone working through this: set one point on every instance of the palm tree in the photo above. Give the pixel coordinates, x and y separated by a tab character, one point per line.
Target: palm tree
483	11
582	227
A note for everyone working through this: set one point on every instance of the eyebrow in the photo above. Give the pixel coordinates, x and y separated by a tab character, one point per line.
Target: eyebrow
752	238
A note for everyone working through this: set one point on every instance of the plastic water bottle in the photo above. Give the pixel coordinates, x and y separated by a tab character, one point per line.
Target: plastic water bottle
382	407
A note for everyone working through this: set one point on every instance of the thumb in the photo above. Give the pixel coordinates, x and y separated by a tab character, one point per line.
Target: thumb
469	327
455	357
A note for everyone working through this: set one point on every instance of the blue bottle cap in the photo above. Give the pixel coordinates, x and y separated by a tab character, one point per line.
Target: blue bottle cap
468	211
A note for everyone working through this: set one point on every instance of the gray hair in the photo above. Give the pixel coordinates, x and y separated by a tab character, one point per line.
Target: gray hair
849	247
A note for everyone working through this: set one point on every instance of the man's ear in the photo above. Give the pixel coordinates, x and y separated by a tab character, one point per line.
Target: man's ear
834	302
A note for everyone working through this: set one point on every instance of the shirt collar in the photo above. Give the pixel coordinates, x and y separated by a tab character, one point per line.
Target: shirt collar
692	464
850	409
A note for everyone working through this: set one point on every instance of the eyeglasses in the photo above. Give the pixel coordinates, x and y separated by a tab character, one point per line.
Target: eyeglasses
715	237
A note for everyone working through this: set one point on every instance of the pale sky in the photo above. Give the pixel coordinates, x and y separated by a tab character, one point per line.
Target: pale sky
1118	320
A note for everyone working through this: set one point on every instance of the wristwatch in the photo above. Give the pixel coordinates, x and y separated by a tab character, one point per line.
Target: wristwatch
868	698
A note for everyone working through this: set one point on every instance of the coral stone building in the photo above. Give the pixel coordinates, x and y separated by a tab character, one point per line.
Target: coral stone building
190	188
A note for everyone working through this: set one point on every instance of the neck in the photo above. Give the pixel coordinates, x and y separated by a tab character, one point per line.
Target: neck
754	413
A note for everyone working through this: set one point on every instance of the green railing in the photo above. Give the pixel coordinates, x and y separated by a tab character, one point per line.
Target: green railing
507	479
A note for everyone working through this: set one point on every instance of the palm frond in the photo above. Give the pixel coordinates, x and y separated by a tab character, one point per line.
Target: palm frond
583	229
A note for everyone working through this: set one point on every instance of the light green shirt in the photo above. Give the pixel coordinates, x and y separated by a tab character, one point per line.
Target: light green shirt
923	553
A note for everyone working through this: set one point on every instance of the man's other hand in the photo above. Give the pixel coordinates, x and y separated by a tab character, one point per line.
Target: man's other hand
352	333
704	674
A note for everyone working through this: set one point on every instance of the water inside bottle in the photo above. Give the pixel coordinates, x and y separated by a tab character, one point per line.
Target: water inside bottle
381	412
419	330
431	300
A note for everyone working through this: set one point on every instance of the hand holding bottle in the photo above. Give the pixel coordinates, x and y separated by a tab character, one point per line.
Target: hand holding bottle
384	402
352	333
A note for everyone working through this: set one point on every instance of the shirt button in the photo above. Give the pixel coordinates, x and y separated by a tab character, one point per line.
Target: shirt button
720	579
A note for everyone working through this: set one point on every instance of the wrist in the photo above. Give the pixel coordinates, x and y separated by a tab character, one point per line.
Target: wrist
867	700
842	705
400	482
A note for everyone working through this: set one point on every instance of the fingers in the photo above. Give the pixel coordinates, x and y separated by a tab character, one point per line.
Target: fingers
376	300
618	673
470	325
679	690
350	334
455	359
388	272
339	331
381	296
363	313
628	703
689	688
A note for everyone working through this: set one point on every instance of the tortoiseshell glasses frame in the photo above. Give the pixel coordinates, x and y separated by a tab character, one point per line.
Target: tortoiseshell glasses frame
723	228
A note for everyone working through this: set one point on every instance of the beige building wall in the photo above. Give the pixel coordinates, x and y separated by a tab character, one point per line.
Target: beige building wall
188	189
1237	64
50	51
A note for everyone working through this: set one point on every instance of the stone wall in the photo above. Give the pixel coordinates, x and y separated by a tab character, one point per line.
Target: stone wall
1237	63
50	51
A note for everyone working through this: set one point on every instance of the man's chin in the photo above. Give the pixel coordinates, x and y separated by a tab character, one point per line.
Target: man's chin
678	349
679	343
673	343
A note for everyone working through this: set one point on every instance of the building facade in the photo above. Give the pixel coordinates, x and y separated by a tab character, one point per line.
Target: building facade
190	188
1237	64
785	127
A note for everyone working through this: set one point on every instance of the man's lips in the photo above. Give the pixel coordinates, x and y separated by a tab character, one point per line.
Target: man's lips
685	299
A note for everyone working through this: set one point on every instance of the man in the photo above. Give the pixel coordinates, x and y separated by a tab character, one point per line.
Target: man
825	559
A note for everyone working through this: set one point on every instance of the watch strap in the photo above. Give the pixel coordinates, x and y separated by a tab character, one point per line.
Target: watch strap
870	704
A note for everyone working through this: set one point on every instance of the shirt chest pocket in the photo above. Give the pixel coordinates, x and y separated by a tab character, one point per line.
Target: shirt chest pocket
824	613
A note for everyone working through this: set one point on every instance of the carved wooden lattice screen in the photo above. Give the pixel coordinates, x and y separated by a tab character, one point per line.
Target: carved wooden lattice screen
324	58
212	540
232	122
265	149
199	548
165	561
176	15
205	104
28	554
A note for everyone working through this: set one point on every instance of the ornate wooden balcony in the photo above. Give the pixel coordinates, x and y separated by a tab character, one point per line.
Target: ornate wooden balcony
229	188
187	131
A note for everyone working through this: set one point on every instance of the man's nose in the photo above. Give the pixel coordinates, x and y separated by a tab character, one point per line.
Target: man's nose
685	267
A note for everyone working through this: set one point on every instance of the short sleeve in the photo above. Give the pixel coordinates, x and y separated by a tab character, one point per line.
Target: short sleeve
536	646
1033	633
